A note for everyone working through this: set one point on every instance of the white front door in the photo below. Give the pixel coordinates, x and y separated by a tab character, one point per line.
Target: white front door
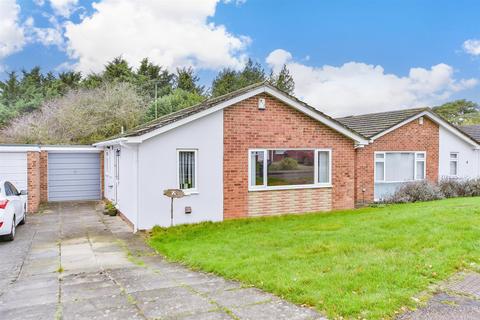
116	175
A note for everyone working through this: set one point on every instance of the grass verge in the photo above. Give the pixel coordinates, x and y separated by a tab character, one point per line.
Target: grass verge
365	263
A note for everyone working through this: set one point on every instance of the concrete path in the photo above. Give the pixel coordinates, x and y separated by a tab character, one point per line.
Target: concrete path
456	299
72	262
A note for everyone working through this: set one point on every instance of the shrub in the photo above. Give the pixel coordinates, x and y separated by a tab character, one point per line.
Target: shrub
110	209
285	164
80	116
451	188
460	187
414	192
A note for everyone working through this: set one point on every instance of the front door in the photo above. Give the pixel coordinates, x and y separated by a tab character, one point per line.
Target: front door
116	175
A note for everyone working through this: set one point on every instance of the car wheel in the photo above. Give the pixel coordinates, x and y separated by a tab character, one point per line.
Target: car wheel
24	220
11	236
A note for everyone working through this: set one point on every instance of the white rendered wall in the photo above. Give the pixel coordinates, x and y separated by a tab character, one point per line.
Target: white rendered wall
468	159
158	171
126	200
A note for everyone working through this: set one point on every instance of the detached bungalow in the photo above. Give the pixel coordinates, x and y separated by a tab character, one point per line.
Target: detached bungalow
259	151
256	151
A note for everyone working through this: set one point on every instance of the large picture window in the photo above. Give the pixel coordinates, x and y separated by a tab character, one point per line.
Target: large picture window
399	166
289	168
187	170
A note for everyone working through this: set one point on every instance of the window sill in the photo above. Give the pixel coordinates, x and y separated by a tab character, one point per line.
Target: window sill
190	192
406	181
316	186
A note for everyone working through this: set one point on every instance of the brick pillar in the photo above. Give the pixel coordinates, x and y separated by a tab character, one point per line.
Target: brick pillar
102	175
43	176
33	181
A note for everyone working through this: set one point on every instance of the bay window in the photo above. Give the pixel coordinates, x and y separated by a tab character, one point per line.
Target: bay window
289	168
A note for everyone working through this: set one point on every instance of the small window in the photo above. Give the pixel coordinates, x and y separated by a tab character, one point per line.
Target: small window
419	166
257	167
379	166
454	164
323	166
187	170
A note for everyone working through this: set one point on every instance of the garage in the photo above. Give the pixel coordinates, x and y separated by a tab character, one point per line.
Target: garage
13	168
74	176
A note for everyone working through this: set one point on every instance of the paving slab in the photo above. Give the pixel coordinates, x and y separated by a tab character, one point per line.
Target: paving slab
72	262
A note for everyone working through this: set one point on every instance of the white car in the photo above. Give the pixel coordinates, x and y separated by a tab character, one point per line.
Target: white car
13	206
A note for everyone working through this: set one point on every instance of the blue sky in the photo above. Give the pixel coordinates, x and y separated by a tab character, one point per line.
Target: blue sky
347	56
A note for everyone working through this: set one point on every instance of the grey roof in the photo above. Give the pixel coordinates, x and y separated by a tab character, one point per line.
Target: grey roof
472	130
209	103
372	124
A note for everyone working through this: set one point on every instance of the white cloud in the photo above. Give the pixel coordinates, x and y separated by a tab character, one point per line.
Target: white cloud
170	32
472	46
356	88
12	38
63	7
48	36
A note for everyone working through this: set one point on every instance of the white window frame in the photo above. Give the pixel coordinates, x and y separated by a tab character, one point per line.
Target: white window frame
195	154
316	183
416	159
456	164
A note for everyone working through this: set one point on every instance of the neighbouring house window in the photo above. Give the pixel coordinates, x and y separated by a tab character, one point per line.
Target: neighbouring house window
187	169
399	166
289	168
454	163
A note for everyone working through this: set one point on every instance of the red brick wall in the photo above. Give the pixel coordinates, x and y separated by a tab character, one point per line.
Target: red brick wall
43	176
33	181
279	126
411	137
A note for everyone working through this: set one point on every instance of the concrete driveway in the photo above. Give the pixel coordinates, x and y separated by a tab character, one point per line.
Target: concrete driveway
71	262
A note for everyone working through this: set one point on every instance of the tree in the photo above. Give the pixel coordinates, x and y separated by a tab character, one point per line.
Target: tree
251	73
177	100
187	80
150	75
229	80
460	112
226	81
10	89
81	116
118	70
283	81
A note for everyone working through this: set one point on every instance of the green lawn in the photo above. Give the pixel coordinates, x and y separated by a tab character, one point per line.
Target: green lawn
359	263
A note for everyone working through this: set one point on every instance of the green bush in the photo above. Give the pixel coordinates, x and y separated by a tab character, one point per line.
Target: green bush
110	209
285	164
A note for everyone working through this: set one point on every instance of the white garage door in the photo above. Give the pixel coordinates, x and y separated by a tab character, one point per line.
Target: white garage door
13	168
73	176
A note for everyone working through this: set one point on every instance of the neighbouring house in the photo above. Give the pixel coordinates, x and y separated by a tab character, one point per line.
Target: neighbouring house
259	151
53	173
409	145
